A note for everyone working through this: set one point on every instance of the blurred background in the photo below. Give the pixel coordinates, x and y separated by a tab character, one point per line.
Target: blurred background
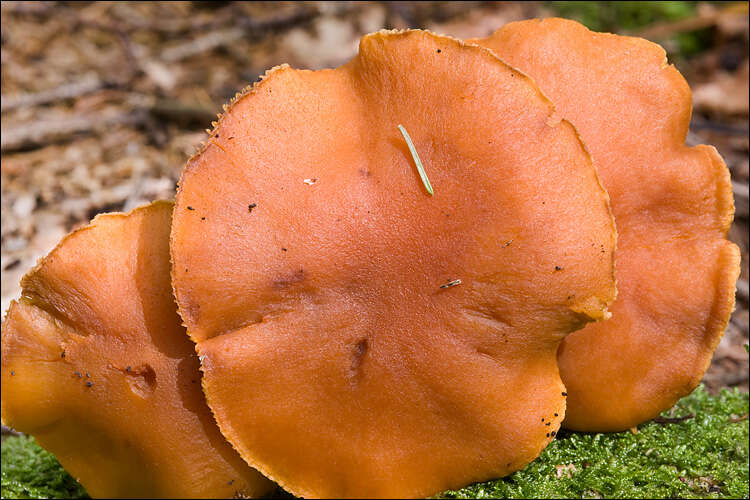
103	102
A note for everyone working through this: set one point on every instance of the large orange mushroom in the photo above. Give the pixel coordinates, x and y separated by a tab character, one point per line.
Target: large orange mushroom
673	205
96	365
358	336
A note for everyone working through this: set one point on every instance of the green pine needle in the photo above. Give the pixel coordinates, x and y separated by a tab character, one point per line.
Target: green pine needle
414	155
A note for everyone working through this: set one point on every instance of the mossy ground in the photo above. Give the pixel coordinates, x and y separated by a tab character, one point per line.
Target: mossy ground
616	17
705	456
28	471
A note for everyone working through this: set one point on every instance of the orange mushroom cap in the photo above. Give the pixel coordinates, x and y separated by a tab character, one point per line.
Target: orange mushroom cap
314	270
96	365
673	205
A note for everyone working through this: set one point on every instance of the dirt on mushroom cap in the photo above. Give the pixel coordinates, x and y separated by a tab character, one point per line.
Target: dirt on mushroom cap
96	365
673	205
333	358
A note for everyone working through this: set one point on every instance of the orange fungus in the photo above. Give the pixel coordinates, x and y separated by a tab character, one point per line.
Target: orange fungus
96	366
358	336
673	205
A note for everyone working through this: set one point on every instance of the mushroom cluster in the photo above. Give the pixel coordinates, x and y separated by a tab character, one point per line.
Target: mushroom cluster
378	267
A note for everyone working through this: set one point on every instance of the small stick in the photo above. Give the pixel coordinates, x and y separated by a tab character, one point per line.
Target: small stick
203	43
675	420
743	290
40	133
741	193
451	283
72	90
7	431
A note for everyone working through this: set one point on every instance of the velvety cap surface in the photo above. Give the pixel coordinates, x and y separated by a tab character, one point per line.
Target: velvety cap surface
320	280
97	367
673	205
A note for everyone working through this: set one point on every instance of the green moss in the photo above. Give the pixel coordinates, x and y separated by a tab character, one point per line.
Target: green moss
621	16
704	456
614	16
28	471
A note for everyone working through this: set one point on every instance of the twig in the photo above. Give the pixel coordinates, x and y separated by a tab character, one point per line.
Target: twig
7	431
741	203
26	8
742	290
280	21
741	190
675	420
85	86
733	379
247	26
721	128
401	12
451	283
665	30
38	133
201	44
131	67
135	21
184	113
704	19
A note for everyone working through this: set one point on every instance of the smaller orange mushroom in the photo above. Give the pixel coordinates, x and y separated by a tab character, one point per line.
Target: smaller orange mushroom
97	367
673	205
